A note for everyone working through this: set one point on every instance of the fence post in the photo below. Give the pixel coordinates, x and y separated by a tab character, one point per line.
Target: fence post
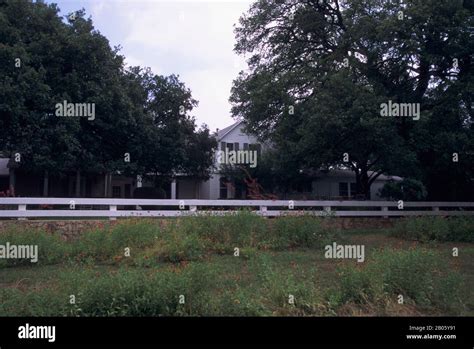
22	208
327	209
385	209
436	210
112	208
192	208
263	210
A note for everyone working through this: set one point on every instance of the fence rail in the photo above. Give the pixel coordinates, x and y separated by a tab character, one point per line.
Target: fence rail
22	208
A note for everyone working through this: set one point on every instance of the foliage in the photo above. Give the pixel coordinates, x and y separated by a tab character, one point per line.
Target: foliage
406	190
46	60
420	276
320	70
435	228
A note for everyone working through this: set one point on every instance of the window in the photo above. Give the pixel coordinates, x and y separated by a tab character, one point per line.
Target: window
222	146
343	189
230	146
116	191
246	146
128	191
353	189
223	188
236	146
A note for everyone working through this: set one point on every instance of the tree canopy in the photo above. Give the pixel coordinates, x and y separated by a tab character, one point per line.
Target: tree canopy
320	70
139	116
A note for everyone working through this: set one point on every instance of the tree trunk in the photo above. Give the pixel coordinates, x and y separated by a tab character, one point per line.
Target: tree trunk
46	184
106	185
12	183
363	185
78	184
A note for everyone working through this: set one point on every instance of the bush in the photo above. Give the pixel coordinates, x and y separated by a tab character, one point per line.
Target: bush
406	190
243	228
121	293
238	302
299	231
135	293
461	229
420	275
175	246
435	228
359	285
51	249
276	287
105	243
45	302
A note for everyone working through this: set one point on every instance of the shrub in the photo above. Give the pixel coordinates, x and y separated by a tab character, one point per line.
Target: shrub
104	243
420	275
411	273
243	228
45	302
51	249
137	293
435	228
407	190
176	246
277	286
422	228
238	302
298	231
358	285
461	229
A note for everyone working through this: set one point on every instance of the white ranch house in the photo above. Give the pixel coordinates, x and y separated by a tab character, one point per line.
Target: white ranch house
337	184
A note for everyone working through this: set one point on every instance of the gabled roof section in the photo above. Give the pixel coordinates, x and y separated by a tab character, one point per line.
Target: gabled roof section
222	133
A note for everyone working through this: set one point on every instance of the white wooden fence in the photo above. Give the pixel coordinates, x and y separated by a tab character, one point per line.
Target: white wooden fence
23	208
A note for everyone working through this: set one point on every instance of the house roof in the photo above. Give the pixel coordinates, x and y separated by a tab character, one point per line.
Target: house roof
222	133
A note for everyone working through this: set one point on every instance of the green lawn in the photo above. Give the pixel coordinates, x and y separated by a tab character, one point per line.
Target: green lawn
189	268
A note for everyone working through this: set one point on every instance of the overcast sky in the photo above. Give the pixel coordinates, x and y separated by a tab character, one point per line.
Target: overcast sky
193	39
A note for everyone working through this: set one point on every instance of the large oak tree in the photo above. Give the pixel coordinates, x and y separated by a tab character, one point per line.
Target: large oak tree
320	69
46	59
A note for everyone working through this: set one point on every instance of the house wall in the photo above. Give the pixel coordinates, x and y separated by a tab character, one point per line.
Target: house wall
237	136
92	186
374	189
187	189
328	187
214	191
205	189
212	186
122	182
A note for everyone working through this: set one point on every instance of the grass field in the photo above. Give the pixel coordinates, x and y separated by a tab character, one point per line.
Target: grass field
191	267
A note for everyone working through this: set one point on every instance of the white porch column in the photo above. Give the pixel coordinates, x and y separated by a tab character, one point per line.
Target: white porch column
173	189
139	181
139	185
12	180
